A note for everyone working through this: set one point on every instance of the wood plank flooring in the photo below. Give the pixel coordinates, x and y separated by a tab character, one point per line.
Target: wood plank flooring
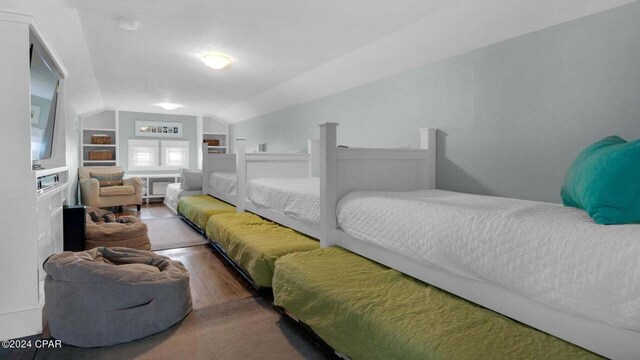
212	281
227	311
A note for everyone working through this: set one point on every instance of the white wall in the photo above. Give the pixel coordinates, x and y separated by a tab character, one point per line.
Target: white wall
18	220
511	117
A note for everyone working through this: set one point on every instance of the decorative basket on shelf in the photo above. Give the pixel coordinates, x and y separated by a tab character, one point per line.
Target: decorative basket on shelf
100	139
100	155
212	142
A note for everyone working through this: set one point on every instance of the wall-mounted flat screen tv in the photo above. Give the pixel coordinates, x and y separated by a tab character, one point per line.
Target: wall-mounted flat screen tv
44	100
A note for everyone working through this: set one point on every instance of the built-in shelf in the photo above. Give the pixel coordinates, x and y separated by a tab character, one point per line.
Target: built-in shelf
214	130
102	122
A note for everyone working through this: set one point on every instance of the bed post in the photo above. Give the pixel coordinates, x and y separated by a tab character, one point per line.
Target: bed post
428	142
328	183
314	158
205	168
241	173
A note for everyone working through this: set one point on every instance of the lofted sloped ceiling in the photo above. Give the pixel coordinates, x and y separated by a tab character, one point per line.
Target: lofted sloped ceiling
59	21
272	41
288	51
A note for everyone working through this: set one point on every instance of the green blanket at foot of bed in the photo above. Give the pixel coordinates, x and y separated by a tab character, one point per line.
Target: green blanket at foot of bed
199	208
255	244
368	311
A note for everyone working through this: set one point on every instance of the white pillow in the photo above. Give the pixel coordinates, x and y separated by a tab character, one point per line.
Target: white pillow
191	179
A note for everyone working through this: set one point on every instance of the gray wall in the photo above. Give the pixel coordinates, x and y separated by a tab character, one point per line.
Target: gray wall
126	131
511	116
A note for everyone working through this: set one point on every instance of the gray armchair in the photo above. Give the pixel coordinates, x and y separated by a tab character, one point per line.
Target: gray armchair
129	193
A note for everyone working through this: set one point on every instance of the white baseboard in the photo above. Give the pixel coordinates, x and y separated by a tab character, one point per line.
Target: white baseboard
21	323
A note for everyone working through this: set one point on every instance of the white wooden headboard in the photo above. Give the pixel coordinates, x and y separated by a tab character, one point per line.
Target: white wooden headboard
272	165
215	163
344	170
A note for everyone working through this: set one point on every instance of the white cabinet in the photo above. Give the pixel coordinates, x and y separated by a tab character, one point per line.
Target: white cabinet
50	236
31	223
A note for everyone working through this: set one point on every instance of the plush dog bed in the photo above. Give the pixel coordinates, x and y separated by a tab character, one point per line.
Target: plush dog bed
107	296
104	229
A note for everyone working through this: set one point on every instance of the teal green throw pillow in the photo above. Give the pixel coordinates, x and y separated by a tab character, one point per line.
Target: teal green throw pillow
605	181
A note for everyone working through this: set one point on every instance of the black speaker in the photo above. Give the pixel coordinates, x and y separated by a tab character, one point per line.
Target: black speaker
74	226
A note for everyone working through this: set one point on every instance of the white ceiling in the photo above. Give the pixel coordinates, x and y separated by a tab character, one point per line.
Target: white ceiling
59	22
462	27
286	51
271	40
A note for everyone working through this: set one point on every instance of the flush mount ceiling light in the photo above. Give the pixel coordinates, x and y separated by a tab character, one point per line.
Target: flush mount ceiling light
169	106
126	24
216	60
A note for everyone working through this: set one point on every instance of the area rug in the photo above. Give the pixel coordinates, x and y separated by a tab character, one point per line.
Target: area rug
243	329
171	233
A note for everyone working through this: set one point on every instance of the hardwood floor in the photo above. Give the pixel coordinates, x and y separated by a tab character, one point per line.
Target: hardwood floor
230	320
212	281
154	210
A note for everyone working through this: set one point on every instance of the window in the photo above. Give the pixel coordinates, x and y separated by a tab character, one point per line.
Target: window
158	154
143	154
175	153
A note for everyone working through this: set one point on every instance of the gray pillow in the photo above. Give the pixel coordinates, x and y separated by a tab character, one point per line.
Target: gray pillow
191	179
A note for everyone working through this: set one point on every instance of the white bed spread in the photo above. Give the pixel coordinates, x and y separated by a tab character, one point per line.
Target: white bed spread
295	197
174	193
224	182
552	254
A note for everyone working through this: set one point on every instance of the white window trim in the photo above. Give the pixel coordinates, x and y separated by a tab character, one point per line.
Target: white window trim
155	144
174	144
158	146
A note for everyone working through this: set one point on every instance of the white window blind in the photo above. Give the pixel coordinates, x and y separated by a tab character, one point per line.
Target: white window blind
175	154
143	154
158	154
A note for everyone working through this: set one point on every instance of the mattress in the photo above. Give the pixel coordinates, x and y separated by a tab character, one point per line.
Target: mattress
298	198
255	244
199	208
224	182
549	253
368	311
174	192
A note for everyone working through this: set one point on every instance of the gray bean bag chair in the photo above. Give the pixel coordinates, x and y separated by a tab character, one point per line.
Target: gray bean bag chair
107	296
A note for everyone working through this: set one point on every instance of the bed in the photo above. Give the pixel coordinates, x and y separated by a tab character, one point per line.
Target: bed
219	177
282	187
364	310
494	252
297	197
253	244
224	182
173	194
285	188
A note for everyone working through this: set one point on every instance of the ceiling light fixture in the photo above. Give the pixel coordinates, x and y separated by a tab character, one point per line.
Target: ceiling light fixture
216	60
126	24
169	106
